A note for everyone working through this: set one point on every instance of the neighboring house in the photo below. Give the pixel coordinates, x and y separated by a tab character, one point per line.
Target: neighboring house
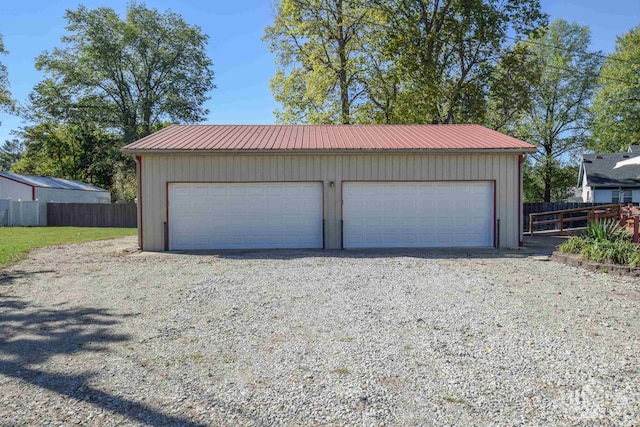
602	182
44	189
341	186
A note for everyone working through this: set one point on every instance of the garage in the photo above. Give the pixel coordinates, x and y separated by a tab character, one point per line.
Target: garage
245	215
328	186
418	214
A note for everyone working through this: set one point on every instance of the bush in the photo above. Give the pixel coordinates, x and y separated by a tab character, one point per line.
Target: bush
574	245
604	242
606	230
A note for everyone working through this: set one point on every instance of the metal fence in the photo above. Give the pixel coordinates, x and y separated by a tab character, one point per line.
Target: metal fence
92	215
17	213
529	208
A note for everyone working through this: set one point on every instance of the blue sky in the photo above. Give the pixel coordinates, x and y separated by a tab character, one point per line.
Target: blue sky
242	63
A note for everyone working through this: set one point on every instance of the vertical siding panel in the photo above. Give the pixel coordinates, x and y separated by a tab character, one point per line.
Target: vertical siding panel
251	168
272	170
355	172
424	169
474	166
365	171
512	228
259	176
404	168
337	194
165	171
243	166
281	167
395	167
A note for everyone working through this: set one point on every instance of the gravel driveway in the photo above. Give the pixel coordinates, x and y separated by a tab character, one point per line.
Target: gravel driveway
96	334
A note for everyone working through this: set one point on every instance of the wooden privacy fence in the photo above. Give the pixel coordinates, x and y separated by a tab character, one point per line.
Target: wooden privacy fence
561	217
92	215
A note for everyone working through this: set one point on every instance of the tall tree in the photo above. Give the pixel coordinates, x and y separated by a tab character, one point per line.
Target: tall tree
10	153
616	108
391	61
130	73
320	55
81	152
559	114
6	102
447	50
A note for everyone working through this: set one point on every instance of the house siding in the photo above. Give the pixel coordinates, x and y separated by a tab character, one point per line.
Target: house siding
159	169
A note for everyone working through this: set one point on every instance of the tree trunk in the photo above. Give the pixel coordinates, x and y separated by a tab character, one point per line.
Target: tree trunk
342	72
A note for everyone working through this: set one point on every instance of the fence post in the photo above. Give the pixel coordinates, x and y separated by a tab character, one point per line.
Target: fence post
561	220
531	224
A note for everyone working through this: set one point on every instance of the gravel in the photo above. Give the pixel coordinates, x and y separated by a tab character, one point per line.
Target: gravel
97	334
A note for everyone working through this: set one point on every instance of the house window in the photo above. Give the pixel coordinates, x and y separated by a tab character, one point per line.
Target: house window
622	196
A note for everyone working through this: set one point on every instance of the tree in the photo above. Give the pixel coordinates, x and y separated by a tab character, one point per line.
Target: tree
563	180
6	103
616	108
10	153
446	52
391	61
320	53
81	152
130	74
558	116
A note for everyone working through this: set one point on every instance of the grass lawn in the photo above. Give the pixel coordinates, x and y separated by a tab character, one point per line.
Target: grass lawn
16	241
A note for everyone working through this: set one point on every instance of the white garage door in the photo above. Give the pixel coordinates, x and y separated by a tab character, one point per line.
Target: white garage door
418	214
247	215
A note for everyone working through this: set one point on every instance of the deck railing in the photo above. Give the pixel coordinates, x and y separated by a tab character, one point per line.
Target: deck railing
562	217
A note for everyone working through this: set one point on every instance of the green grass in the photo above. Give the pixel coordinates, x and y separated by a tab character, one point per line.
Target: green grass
17	241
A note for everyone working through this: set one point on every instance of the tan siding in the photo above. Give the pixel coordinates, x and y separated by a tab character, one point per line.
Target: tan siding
160	169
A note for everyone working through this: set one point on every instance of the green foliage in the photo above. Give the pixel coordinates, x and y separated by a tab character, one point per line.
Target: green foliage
606	230
606	251
81	152
559	111
128	74
574	245
6	102
124	188
563	179
604	242
400	61
616	108
16	241
446	53
10	153
320	53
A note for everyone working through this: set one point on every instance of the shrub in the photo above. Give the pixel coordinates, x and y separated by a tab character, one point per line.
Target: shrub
606	230
574	245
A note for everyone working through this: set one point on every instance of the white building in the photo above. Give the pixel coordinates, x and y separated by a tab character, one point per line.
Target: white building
45	189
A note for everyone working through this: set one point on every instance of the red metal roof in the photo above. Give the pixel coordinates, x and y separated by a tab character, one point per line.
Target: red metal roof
326	137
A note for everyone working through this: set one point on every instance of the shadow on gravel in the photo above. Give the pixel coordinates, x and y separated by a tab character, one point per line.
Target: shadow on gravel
7	278
31	335
538	245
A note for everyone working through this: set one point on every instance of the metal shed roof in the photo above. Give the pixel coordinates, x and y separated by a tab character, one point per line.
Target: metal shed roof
48	182
264	138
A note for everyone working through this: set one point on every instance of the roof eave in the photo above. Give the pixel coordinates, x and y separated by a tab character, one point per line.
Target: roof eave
523	150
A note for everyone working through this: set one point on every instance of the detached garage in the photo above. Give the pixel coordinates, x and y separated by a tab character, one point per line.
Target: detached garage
333	187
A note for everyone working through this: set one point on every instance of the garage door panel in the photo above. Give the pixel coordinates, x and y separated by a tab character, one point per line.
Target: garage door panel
418	214
245	215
